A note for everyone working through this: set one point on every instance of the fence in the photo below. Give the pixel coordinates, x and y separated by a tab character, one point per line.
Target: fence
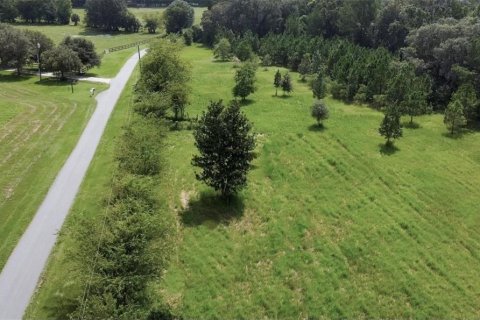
131	45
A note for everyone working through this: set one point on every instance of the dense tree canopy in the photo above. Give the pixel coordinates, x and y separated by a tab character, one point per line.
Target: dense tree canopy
106	14
178	16
225	145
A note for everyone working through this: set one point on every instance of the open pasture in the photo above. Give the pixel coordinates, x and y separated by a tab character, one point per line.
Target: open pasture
331	224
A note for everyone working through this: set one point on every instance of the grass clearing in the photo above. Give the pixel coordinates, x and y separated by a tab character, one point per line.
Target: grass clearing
332	224
39	126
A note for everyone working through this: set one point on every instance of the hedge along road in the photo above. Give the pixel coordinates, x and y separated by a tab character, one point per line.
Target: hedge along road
24	267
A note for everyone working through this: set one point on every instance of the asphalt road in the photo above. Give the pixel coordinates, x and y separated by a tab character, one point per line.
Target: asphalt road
24	267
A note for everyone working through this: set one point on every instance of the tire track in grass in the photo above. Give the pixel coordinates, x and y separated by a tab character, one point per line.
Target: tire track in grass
394	216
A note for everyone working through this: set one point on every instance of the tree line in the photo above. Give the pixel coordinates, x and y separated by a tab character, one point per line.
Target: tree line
411	56
36	11
21	47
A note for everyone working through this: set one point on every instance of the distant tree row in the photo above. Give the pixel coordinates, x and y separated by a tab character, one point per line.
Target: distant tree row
110	15
48	11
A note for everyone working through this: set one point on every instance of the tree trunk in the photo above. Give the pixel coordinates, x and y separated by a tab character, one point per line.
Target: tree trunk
276	92
411	119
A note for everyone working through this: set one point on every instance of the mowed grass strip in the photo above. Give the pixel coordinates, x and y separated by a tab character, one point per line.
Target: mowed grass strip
331	224
41	125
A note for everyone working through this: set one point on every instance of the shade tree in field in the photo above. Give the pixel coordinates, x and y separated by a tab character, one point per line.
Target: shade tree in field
225	145
62	59
16	48
319	111
37	38
178	16
468	98
223	50
153	22
245	81
75	19
277	81
287	86
390	128
454	117
85	50
106	14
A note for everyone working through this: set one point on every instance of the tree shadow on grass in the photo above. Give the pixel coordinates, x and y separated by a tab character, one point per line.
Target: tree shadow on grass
455	136
281	96
14	77
317	128
210	210
388	149
54	82
411	125
243	103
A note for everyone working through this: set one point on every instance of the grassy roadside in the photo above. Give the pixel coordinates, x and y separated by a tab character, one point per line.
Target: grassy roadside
39	127
89	202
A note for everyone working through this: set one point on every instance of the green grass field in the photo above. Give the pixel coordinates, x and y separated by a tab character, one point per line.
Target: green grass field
331	225
39	126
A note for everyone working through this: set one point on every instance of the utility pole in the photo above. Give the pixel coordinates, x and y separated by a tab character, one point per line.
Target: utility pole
139	58
39	46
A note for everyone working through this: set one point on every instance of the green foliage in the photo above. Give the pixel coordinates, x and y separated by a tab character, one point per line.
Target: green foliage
319	111
390	128
287	85
163	82
85	50
75	18
152	22
466	95
223	50
319	88
15	48
105	14
63	11
178	15
454	115
305	66
243	50
62	59
277	81
188	37
225	147
8	11
245	81
140	148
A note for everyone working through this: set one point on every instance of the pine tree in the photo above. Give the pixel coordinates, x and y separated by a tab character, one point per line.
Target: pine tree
277	82
454	117
319	111
390	127
287	86
225	144
318	87
305	66
245	81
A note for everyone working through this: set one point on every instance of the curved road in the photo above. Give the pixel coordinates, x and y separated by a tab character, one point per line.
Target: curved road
24	267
